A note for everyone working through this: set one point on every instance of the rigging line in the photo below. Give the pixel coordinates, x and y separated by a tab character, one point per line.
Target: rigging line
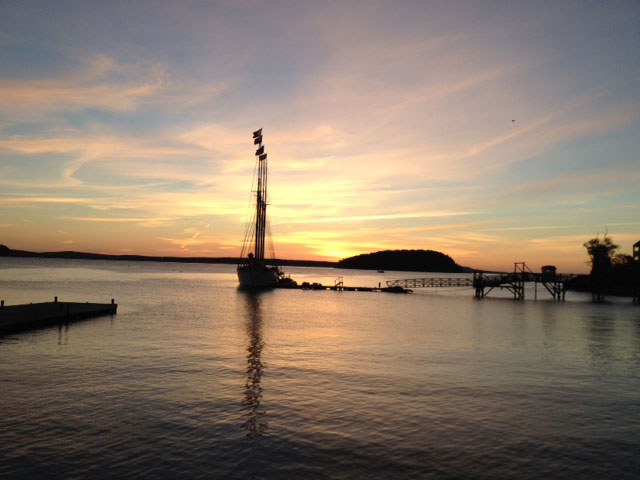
272	250
254	180
250	218
251	192
249	231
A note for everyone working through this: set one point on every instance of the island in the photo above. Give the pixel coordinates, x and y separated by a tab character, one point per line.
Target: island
403	260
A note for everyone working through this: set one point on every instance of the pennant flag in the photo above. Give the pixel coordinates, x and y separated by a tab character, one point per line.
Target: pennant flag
257	133
258	140
263	157
260	151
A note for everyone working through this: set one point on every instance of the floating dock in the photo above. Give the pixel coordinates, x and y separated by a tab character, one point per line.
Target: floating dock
35	315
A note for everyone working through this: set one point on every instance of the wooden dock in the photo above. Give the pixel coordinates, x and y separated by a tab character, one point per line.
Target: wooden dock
483	283
36	315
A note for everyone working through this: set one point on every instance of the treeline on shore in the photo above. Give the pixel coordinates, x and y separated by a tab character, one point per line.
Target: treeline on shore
611	273
7	252
398	260
619	287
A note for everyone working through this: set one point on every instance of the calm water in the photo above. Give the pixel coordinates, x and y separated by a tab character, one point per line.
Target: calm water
196	379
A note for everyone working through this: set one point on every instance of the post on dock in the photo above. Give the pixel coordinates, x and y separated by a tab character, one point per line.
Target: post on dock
55	299
478	284
636	272
518	279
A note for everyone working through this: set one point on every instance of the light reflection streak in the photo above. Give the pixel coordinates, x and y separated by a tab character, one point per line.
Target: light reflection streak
254	422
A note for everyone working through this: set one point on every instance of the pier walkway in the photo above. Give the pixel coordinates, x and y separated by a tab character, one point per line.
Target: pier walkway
483	283
431	282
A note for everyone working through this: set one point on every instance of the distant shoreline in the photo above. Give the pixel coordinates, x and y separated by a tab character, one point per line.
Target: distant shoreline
70	255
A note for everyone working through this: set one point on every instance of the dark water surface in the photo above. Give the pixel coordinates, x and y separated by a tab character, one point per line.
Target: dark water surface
196	379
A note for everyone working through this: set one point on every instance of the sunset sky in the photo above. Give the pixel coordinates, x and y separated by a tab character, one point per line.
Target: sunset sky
494	132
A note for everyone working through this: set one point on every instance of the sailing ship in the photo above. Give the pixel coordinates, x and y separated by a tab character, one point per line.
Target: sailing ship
253	270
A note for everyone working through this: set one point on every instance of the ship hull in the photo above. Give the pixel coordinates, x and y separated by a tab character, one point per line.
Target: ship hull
257	276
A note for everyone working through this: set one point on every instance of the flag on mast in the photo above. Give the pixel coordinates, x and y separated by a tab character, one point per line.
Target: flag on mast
262	157
260	151
257	140
257	133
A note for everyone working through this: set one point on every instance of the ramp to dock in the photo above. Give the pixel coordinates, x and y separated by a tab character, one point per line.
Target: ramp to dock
431	282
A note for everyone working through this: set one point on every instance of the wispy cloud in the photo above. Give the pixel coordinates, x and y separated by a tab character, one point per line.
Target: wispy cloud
100	82
515	229
134	157
380	217
18	200
116	220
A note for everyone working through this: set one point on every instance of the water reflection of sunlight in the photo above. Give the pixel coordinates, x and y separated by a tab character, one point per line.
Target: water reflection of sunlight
549	321
254	422
600	332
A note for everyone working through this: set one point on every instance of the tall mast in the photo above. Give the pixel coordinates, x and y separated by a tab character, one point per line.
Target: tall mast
261	197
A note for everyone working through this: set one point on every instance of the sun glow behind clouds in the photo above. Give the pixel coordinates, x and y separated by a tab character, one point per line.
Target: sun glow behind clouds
493	138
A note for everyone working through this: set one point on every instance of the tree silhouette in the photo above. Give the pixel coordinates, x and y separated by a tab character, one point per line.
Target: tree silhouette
601	253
